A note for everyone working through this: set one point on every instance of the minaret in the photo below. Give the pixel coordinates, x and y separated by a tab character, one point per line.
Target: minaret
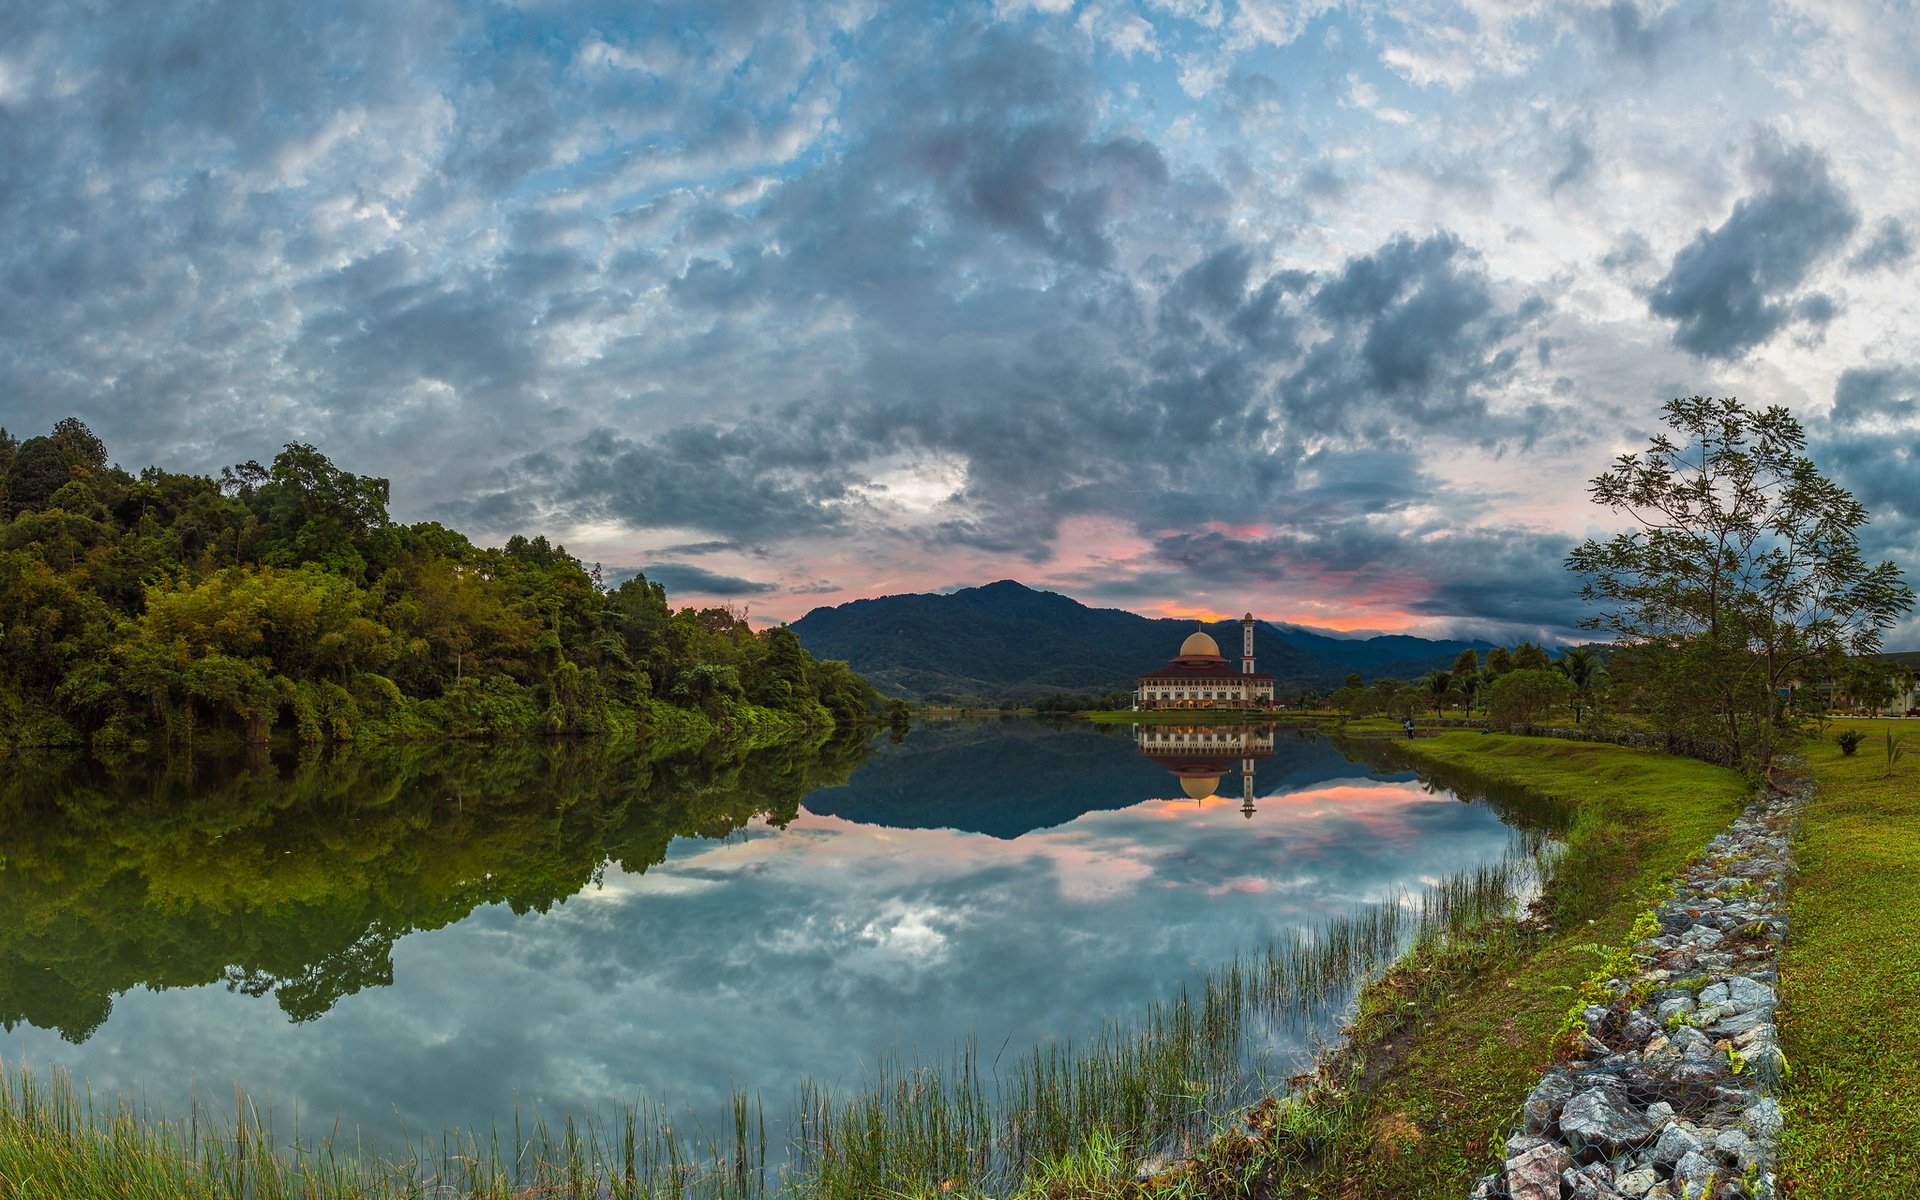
1246	644
1246	788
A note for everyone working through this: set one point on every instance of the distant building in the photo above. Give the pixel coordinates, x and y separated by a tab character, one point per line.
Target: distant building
1200	677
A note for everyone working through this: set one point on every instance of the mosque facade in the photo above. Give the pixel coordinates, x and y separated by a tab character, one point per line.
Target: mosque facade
1200	677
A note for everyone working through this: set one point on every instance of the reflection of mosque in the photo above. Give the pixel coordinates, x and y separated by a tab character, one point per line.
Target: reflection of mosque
1198	755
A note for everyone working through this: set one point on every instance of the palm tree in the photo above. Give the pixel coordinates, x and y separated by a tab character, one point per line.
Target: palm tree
1438	685
1585	669
1470	684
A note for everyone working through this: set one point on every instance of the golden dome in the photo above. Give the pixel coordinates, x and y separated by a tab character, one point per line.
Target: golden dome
1199	644
1199	787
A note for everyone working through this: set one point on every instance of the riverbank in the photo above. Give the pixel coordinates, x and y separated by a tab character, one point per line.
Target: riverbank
1447	1045
1850	979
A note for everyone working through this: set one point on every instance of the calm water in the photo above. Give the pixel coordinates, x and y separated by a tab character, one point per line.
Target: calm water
421	940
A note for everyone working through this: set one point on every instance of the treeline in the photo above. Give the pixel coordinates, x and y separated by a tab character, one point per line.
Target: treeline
1512	687
283	600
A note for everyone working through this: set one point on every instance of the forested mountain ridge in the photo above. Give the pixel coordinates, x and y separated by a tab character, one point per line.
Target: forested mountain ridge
1008	641
164	607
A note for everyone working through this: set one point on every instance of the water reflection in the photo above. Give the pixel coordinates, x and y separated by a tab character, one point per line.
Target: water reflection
447	933
296	878
1199	755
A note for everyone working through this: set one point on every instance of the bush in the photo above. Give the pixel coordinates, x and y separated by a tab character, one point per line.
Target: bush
1850	741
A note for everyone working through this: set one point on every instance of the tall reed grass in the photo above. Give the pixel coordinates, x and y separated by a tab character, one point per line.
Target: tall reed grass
1141	1089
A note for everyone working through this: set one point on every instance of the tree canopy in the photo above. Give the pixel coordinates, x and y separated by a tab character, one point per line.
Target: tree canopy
284	599
1741	578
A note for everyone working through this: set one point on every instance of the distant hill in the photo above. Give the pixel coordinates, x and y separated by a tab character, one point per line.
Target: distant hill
1008	641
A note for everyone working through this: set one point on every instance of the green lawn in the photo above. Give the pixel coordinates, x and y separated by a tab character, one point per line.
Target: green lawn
1850	981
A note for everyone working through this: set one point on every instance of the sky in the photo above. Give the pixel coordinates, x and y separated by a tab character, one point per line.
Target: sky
1324	311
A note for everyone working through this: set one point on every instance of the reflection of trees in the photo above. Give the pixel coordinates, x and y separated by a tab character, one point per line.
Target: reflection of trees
297	878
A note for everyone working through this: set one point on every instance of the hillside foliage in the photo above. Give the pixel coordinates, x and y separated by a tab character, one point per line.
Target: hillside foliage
284	600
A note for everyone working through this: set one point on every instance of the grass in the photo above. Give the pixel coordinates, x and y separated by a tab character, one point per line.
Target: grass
1850	978
1446	1046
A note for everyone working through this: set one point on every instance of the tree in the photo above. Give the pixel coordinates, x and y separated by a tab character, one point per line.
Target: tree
1466	677
1439	686
1743	572
1499	661
1529	657
1522	699
1587	672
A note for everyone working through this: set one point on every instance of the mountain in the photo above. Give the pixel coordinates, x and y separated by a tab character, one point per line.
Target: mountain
1007	641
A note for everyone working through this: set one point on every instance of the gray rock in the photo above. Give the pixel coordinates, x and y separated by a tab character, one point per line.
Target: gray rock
1639	1028
1763	1117
1675	1006
1731	1145
1535	1175
1742	1023
1703	937
1695	1173
1659	1114
1484	1188
1635	1184
1598	1124
1520	1143
1591	1182
1544	1102
1738	994
1676	1141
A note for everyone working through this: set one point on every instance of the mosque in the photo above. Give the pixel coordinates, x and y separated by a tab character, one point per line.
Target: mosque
1200	677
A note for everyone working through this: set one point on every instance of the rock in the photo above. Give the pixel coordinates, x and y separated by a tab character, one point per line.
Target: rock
1702	937
1597	1125
1690	1042
1544	1104
1676	1141
1635	1184
1659	1114
1485	1188
1638	1028
1753	1019
1738	994
1737	1149
1675	1006
1591	1182
1535	1175
1694	1174
1763	1117
1596	1019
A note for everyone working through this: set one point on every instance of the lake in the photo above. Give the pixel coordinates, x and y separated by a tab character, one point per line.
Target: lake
413	940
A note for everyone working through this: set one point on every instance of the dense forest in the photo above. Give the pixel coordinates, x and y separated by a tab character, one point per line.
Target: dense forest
284	601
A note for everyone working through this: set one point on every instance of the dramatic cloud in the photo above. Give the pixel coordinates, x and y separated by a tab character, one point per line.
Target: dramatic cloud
1319	311
1729	288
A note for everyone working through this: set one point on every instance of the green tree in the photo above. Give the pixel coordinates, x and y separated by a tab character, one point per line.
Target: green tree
1587	672
1499	661
1529	657
1742	575
1439	686
1523	699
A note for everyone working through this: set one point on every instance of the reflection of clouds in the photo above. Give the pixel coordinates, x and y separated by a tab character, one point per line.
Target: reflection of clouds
756	960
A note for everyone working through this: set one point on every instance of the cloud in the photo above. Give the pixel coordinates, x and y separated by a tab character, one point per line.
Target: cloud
1889	247
1729	289
683	577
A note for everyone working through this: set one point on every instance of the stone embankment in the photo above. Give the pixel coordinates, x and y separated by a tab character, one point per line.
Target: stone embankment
1670	1093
